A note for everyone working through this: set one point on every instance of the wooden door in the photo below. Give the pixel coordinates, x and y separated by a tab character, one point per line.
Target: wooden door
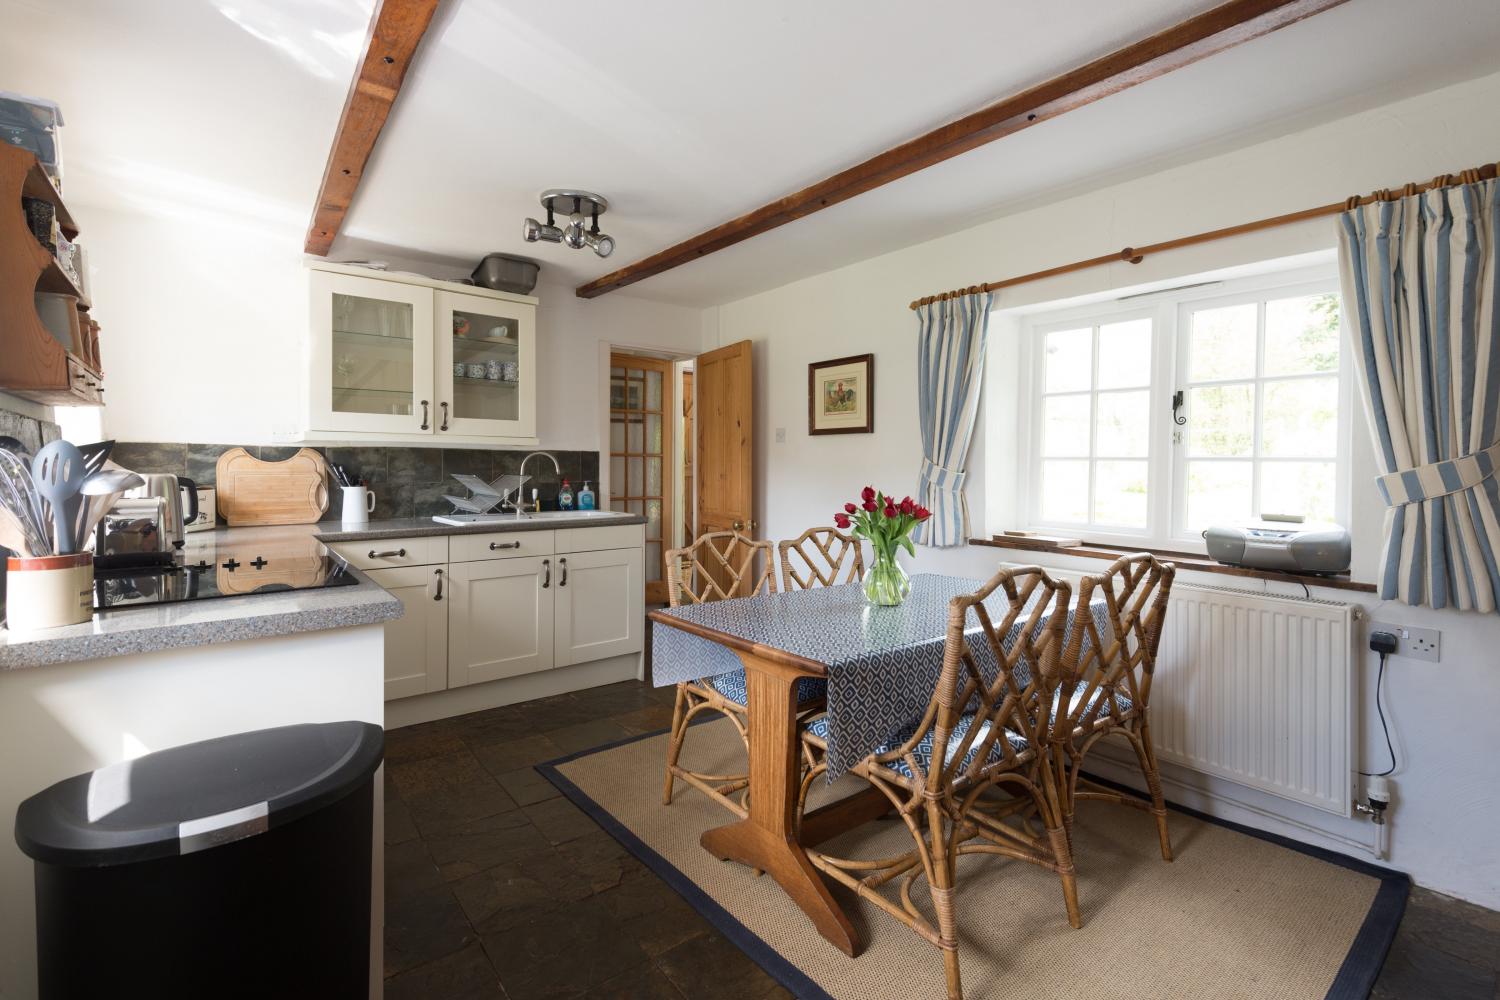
689	503
416	644
724	383
599	611
500	620
640	454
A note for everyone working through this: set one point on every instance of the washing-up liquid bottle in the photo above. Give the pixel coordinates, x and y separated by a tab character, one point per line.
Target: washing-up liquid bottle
586	500
565	497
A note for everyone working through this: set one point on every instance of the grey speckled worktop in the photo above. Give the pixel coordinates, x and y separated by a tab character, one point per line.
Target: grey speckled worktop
412	527
201	623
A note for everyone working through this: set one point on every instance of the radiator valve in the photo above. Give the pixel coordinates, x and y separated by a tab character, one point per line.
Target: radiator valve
1379	797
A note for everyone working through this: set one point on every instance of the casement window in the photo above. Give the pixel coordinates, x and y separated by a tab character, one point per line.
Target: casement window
1147	420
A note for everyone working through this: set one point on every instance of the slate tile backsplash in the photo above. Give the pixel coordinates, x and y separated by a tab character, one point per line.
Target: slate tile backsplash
407	482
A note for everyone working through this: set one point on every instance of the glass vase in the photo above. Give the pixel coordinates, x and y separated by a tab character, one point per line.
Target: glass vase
886	583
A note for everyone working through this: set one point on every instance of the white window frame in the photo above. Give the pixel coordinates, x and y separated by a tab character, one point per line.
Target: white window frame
1166	463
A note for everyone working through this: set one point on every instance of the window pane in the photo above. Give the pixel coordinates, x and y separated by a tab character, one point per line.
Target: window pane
1217	492
1065	490
1065	425
1304	488
1124	424
1301	418
1302	335
1125	354
1221	421
1069	360
1222	343
1120	494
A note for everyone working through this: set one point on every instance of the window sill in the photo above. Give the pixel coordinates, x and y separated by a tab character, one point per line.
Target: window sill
1183	560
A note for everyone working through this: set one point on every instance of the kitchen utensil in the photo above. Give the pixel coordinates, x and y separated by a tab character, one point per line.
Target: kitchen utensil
96	454
59	473
252	491
12	535
19	496
15	447
174	518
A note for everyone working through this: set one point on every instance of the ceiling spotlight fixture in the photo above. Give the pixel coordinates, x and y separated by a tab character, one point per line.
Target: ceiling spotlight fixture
583	209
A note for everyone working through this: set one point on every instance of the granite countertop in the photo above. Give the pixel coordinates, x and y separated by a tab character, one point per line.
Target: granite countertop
412	527
200	623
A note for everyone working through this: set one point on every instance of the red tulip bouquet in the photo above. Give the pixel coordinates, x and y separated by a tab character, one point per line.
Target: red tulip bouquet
887	523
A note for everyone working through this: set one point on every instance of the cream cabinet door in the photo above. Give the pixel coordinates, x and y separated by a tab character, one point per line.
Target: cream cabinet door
500	621
416	644
486	366
600	605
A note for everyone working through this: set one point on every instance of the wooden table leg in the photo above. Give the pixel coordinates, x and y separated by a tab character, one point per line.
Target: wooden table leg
766	840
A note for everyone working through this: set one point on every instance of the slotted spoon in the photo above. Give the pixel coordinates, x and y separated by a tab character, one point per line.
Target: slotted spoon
59	472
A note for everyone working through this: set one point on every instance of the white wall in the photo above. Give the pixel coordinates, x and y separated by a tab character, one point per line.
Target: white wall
1448	785
204	316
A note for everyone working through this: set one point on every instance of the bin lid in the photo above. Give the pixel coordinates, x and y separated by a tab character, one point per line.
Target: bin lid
197	796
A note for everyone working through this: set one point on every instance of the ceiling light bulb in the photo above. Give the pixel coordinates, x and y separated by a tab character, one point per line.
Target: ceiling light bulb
603	243
531	230
574	236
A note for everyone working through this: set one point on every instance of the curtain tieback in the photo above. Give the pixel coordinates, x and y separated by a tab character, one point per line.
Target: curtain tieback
1428	482
938	477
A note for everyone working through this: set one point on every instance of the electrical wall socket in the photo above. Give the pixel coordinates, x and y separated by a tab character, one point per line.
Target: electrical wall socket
1413	643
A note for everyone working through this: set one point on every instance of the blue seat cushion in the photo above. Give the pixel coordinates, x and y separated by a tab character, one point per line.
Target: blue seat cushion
1108	707
819	727
732	686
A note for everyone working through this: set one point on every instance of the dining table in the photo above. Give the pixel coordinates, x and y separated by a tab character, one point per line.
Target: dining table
882	666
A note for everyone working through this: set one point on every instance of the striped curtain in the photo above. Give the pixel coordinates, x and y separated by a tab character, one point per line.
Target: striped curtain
1420	283
950	373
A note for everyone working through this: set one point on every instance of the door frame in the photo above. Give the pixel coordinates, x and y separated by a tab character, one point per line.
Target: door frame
655	590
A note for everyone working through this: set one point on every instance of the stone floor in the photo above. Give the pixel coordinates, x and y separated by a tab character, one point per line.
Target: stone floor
498	887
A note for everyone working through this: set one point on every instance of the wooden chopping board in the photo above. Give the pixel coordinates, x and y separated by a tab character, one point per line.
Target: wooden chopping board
251	491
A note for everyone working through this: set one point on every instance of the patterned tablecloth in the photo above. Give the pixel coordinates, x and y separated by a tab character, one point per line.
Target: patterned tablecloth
883	663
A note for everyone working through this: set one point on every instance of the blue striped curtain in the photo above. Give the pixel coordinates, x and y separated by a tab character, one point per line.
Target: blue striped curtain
1420	283
950	374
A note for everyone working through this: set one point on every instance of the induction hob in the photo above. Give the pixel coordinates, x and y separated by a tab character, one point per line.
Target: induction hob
230	575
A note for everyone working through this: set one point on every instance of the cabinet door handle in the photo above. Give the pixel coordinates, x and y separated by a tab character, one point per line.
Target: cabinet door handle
562	564
438	577
388	553
444	405
546	573
504	545
424	415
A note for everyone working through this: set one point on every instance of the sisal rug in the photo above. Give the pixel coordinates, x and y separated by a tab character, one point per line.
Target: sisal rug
1238	914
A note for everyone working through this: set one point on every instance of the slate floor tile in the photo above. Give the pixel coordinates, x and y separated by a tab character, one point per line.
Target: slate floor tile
409	871
500	758
510	894
560	820
713	967
587	735
526	786
479	844
464	975
572	949
423	928
655	914
645	983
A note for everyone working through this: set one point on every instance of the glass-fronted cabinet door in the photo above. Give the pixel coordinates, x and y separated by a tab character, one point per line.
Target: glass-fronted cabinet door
372	355
486	366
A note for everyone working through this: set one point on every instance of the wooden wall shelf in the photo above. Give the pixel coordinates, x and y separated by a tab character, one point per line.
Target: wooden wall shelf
33	364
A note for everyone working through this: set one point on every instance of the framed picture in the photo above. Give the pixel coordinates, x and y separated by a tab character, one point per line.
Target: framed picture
841	396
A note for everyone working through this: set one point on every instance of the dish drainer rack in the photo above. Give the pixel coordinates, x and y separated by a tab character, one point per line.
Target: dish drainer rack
484	497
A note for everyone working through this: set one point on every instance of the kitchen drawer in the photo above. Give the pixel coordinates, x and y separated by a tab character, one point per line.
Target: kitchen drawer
383	553
499	545
607	536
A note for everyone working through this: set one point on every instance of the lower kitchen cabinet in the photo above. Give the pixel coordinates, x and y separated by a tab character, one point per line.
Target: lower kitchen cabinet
416	644
500	620
600	610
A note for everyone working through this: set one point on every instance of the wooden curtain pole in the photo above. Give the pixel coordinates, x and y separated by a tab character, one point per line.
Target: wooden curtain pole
1134	255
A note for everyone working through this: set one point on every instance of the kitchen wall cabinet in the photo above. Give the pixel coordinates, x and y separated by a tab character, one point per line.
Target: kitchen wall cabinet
416	644
500	623
396	357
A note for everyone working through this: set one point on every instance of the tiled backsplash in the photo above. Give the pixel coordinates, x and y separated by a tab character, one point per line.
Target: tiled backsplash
407	482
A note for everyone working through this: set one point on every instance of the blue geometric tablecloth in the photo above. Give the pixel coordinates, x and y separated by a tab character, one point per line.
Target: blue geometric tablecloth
883	663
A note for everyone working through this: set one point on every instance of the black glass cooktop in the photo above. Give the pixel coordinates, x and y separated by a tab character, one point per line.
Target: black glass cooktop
229	576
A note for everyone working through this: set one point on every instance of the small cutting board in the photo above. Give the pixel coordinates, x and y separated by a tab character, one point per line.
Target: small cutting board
251	491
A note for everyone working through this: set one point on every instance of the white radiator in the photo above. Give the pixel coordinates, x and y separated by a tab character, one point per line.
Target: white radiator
1257	689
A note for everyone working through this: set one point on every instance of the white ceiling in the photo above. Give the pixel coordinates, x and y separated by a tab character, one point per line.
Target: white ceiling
683	115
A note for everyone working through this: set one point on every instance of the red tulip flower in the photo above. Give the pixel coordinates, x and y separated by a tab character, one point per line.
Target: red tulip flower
842	520
849	508
869	505
868	494
906	506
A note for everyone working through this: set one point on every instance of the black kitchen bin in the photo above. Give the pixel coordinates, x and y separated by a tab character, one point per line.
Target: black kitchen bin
235	867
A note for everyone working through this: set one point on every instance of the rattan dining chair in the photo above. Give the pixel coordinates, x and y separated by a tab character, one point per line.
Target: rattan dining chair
717	566
986	729
820	557
1107	685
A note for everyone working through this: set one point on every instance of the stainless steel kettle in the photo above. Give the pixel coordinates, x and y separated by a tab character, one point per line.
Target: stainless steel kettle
170	489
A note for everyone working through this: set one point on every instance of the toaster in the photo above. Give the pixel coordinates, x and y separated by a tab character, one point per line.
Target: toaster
134	534
1293	547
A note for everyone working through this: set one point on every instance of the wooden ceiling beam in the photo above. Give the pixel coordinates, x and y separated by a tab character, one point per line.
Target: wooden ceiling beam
1207	34
396	29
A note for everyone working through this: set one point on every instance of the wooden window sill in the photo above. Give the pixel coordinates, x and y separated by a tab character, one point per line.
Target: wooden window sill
1183	560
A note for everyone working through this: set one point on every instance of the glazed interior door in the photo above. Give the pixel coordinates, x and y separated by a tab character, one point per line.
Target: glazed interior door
640	454
724	394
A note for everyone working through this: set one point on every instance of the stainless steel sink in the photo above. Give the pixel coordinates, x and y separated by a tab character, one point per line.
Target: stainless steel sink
508	517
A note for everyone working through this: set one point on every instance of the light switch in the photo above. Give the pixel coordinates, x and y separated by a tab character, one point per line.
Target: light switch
781	435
